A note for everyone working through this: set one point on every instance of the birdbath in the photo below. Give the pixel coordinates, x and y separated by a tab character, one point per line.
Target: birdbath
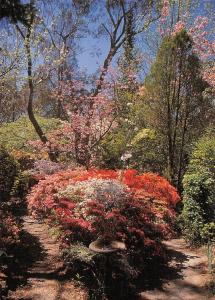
99	246
107	249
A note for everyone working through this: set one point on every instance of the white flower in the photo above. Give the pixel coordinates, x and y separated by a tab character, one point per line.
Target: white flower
126	156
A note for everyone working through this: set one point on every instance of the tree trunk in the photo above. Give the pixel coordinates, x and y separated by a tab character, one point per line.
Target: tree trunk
38	129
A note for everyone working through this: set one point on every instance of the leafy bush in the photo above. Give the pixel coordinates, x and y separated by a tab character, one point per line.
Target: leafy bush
9	231
21	185
199	194
116	282
16	135
9	170
144	145
86	204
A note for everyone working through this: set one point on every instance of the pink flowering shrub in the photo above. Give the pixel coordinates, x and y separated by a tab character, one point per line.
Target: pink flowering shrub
122	205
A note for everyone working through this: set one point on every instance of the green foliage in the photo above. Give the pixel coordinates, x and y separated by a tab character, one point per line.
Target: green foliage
199	194
113	146
21	185
13	182
14	10
132	136
173	97
147	151
9	170
102	274
16	135
143	144
143	134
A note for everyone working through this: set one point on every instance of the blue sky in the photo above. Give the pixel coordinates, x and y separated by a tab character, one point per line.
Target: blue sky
89	60
93	50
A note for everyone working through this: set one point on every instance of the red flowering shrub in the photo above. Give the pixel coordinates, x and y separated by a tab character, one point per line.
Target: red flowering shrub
137	209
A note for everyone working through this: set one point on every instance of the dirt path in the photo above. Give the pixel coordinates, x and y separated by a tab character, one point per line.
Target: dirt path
188	280
44	279
41	276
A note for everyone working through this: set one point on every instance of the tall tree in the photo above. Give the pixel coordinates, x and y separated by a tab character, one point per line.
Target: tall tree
116	23
174	100
26	34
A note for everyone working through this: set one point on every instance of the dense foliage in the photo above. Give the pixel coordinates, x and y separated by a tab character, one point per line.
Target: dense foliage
15	136
14	10
11	186
173	98
87	204
9	171
108	205
9	231
13	182
199	198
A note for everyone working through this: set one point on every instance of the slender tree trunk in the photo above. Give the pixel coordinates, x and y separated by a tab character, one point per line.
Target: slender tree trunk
30	111
180	168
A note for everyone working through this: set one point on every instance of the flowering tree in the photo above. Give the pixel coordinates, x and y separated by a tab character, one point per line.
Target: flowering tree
115	27
175	18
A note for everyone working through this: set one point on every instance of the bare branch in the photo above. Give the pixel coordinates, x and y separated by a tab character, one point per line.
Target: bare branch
107	30
20	31
110	15
103	135
12	65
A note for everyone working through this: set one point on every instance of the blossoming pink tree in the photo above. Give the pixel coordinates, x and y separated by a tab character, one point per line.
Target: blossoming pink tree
203	45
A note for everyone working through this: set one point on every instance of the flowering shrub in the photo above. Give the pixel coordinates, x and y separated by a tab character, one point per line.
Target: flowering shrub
123	205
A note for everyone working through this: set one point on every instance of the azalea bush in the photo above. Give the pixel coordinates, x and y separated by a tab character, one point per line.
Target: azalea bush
136	209
10	230
113	205
13	182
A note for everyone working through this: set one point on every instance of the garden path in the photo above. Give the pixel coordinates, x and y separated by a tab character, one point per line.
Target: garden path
183	279
44	278
191	268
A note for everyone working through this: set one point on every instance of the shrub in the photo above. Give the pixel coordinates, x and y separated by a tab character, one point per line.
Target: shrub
9	231
9	170
124	205
25	159
16	135
199	195
89	266
85	205
21	185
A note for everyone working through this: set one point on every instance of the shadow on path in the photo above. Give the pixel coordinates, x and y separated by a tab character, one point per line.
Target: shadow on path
26	254
183	278
37	273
